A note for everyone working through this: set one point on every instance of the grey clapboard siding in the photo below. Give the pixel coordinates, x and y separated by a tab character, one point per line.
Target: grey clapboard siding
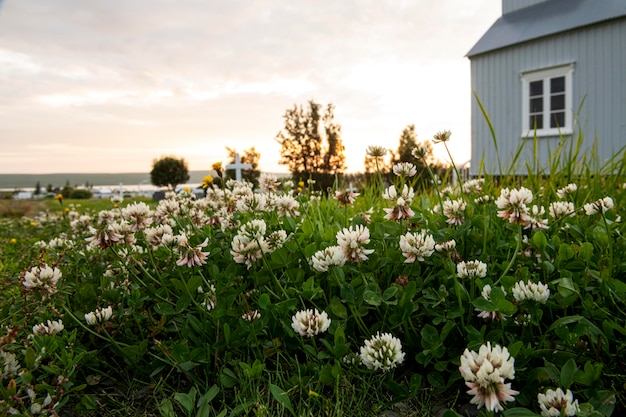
598	53
509	6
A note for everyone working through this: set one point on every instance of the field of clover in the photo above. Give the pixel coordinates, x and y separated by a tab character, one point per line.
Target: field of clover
492	296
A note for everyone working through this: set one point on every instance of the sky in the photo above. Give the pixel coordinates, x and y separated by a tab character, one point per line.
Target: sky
109	86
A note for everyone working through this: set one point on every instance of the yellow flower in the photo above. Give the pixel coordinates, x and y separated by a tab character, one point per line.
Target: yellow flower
187	189
33	224
300	184
217	166
13	241
115	205
299	189
59	196
67	209
207	181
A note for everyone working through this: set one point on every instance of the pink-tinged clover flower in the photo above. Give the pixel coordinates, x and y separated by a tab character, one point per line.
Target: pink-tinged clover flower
309	323
382	352
352	240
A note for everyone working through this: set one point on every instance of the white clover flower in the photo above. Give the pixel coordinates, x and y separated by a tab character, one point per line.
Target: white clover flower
308	323
483	199
251	315
346	197
192	256
471	269
325	258
376	151
446	246
485	373
154	235
402	209
417	246
404	169
531	291
473	186
254	229
382	352
11	365
52	327
565	191
352	240
489	315
210	297
276	240
513	205
138	215
246	250
558	403
44	277
453	210
98	316
599	206
268	183
561	209
535	220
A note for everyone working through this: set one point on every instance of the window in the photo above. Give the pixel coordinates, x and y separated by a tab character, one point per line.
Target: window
547	101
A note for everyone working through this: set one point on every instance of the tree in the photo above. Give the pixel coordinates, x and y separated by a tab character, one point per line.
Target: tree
311	144
250	156
169	171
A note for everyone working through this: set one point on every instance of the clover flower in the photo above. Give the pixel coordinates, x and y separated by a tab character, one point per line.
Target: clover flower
446	246
44	277
485	374
276	240
471	269
561	209
535	220
308	323
401	210
531	291
513	205
210	297
346	198
382	352
98	316
251	315
352	240
557	403
252	202
192	256
138	215
421	151
442	136
376	151
404	169
488	315
52	327
286	206
325	258
246	250
453	210
417	246
599	206
11	365
268	183
473	186
567	190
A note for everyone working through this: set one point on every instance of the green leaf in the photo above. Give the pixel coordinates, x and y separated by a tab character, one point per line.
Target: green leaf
372	297
205	400
519	412
566	252
264	301
430	336
567	373
187	401
540	241
166	408
164	309
282	397
337	308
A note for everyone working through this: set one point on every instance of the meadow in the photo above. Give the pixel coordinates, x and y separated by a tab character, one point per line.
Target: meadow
496	295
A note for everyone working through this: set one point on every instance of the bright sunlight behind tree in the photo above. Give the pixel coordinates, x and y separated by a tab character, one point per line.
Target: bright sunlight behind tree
169	171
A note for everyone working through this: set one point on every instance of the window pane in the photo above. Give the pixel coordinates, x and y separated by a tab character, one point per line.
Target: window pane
557	85
557	102
536	105
536	88
536	121
557	119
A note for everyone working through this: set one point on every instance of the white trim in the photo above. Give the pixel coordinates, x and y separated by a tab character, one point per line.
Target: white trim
546	74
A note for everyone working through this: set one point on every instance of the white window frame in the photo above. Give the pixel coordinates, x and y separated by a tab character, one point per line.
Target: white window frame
546	74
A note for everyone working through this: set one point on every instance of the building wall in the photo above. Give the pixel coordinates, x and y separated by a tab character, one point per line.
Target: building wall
512	5
599	80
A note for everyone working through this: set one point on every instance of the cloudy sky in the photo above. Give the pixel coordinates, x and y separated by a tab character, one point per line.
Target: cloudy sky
108	86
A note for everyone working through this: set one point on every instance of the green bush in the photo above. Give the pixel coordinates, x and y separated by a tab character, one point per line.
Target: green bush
80	194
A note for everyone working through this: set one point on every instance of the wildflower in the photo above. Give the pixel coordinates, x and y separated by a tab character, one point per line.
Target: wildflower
351	242
446	246
210	297
324	259
561	209
44	277
192	256
482	199
99	315
421	151
217	167
557	403
308	323
376	151
154	235
567	190
531	291
453	210
276	240
404	169
246	250
473	186
512	205
535	221
365	215
485	373
268	183
442	136
417	246
116	199
402	209
13	241
104	237
599	206
488	315
207	181
287	206
382	352
251	315
52	327
252	202
346	198
138	215
11	365
471	269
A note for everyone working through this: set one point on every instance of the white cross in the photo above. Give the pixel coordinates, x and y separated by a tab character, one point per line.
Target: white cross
238	166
